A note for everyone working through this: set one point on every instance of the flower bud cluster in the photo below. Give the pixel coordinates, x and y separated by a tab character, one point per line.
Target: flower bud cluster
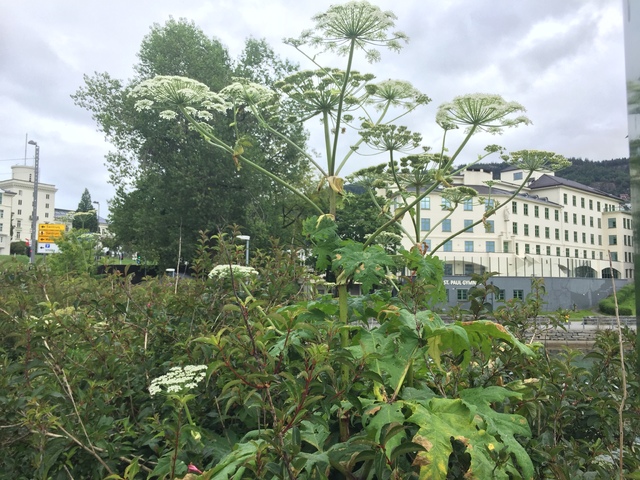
178	379
239	271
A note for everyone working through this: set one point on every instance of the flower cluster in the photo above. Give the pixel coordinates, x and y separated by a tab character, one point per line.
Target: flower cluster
353	23
172	93
480	112
532	160
238	271
178	379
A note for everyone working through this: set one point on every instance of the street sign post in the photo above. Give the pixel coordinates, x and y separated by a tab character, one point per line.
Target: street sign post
48	233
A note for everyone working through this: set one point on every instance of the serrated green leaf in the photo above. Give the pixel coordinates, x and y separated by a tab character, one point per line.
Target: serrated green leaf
364	265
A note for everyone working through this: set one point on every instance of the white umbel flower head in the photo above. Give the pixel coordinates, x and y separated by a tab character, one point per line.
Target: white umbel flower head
178	379
239	271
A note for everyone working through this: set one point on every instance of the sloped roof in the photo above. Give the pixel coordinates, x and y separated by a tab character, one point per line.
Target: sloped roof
548	181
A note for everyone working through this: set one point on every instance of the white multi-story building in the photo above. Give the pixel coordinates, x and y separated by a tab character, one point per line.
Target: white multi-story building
553	227
6	201
20	186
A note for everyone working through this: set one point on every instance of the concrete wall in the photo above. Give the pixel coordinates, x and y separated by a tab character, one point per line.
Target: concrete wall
560	292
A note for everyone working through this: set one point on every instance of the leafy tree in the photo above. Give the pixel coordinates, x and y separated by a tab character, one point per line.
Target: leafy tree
169	184
85	217
18	248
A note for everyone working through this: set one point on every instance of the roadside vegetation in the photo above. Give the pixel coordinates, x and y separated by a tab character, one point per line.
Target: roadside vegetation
247	371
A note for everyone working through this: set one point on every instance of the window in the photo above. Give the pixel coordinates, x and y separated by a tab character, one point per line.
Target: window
1	213
514	207
566	217
593	239
564	199
582	202
556	215
517	176
590	204
425	224
1	224
593	254
557	234
598	206
468	225
19	224
446	204
591	222
468	269
18	235
46	205
448	270
514	228
489	204
500	295
584	254
566	235
576	253
427	244
566	251
614	256
19	212
611	222
517	249
546	213
448	246
536	211
537	249
557	251
446	225
518	294
583	219
490	226
548	250
584	237
20	192
19	202
525	209
463	294
527	249
468	246
46	215
613	239
575	218
547	232
468	204
505	247
526	229
599	239
536	230
490	246
573	200
575	237
599	223
47	196
425	203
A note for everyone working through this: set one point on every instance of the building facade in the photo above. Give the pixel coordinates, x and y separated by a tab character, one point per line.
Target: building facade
553	227
21	187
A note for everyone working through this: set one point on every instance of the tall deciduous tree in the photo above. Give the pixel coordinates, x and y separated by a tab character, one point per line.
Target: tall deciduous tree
169	184
85	216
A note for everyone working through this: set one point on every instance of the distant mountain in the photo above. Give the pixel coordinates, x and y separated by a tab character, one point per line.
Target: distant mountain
610	176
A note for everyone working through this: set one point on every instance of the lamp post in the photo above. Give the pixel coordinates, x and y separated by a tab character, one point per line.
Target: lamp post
245	238
34	214
98	203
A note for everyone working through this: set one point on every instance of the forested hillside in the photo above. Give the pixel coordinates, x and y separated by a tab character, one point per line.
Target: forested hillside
611	176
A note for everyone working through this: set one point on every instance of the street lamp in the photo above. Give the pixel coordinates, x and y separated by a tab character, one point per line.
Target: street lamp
34	215
98	203
245	238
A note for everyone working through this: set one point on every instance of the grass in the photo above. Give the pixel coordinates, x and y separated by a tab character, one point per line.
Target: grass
13	258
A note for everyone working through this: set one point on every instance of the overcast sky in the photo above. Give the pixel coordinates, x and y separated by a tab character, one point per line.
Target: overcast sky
563	60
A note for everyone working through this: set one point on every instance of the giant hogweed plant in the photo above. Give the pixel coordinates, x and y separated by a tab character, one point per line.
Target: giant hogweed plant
330	393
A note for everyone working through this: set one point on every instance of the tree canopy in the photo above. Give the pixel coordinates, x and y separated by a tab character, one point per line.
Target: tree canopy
85	216
169	184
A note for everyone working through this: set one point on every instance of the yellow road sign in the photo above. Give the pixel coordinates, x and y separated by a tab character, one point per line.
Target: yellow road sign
59	227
